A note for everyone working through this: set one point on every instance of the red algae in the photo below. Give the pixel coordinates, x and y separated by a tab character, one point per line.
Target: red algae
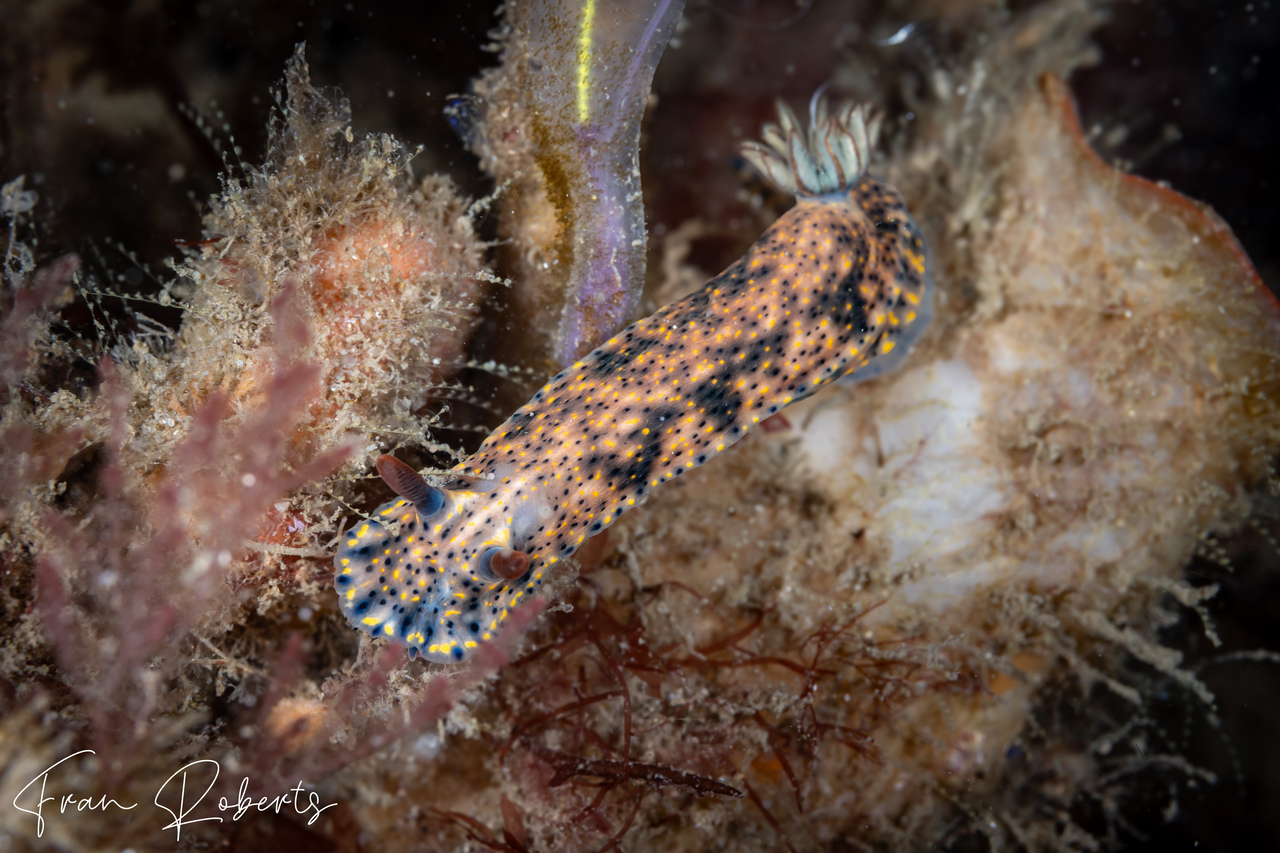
330	294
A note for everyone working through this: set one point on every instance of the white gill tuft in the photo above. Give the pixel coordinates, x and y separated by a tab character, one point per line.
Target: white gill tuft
830	158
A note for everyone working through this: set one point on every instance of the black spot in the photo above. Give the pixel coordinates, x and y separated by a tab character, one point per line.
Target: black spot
717	396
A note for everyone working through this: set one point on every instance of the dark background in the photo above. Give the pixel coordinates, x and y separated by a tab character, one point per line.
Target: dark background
95	104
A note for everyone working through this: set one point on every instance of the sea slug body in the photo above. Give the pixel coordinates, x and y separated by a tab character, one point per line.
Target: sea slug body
838	286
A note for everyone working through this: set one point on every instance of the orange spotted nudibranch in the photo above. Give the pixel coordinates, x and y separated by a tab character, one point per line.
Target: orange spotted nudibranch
838	286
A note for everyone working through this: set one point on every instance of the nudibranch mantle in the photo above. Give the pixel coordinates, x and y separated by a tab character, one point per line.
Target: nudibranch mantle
838	286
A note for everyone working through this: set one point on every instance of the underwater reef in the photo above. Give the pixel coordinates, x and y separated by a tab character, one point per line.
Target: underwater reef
982	601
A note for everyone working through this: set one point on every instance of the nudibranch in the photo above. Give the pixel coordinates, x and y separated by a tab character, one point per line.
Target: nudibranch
838	286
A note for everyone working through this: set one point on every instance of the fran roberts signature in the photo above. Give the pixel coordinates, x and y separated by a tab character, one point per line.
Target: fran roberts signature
176	796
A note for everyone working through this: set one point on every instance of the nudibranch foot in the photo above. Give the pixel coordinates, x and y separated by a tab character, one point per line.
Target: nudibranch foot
838	286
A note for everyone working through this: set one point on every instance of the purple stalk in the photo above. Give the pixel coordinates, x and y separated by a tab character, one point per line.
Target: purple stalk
591	167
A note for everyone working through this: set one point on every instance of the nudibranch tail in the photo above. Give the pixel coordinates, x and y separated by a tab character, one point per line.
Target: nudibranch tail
838	287
830	158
